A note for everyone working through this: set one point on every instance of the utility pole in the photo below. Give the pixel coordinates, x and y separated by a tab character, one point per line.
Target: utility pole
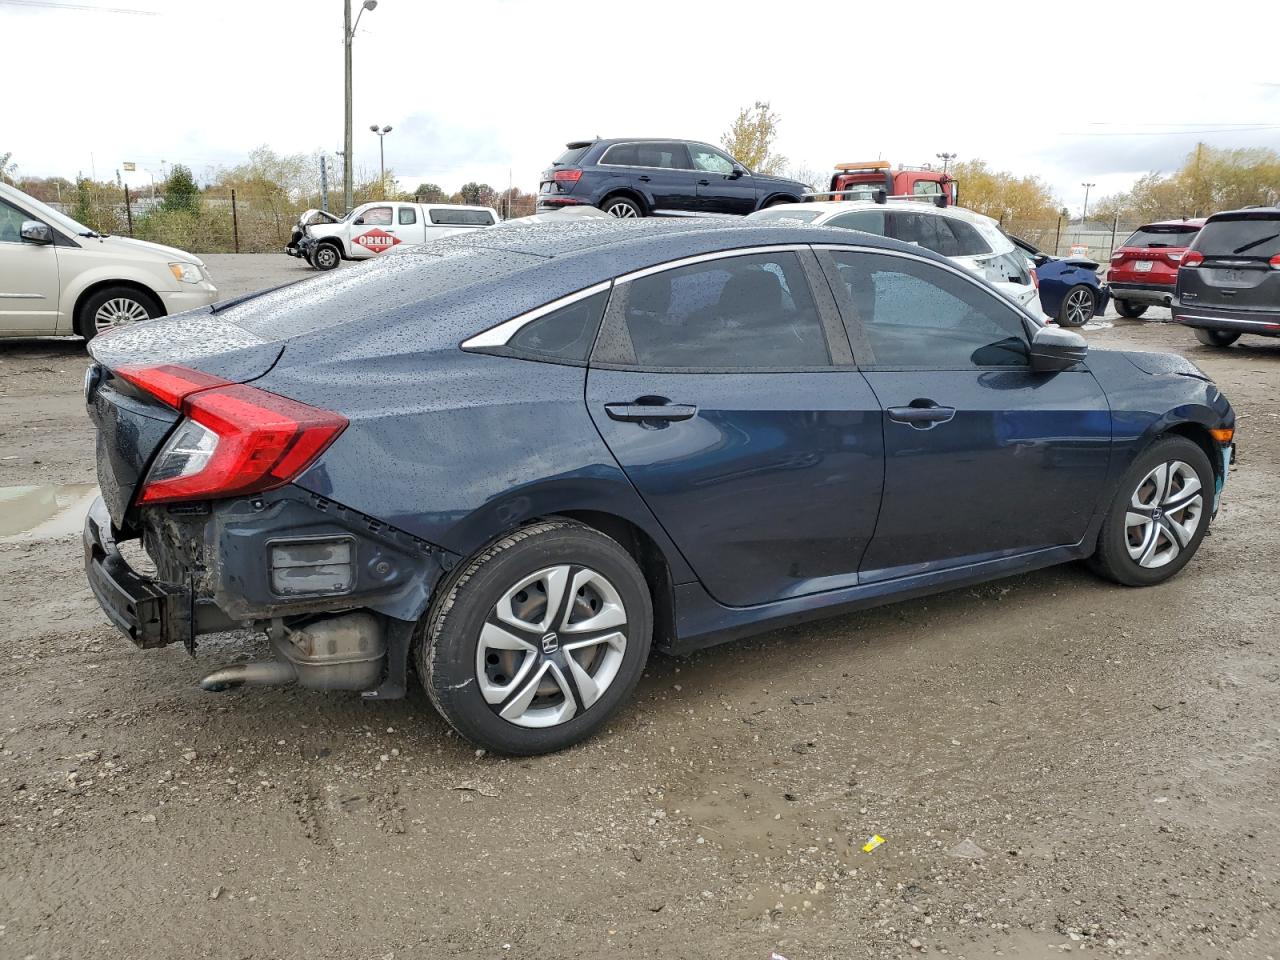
348	34
1084	214
346	136
324	185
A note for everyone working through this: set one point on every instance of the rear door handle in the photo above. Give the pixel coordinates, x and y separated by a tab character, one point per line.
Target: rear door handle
643	178
922	417
634	412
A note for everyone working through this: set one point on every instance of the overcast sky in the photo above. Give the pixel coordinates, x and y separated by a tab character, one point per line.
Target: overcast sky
1072	92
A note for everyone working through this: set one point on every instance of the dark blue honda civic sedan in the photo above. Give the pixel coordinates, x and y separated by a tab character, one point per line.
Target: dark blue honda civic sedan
519	460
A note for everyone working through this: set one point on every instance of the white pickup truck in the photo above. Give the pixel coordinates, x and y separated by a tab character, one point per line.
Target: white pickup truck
325	240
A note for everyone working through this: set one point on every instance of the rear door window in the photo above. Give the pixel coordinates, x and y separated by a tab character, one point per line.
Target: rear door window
749	312
443	216
868	221
408	216
668	156
1253	237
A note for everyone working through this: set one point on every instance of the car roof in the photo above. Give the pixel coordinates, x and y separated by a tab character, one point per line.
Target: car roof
1246	213
832	207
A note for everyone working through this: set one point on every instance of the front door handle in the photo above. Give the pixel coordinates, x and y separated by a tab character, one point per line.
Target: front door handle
922	414
704	183
643	178
635	412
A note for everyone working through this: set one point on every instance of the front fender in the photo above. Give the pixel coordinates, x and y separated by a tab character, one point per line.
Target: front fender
112	272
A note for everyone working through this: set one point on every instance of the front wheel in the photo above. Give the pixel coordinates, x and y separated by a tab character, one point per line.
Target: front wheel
1077	306
1216	338
113	307
325	257
1159	516
538	640
1127	308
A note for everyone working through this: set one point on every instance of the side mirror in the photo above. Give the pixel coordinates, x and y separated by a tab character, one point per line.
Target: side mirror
359	221
738	171
1054	349
33	231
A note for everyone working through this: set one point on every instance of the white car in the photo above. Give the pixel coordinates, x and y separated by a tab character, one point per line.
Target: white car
324	240
59	277
966	238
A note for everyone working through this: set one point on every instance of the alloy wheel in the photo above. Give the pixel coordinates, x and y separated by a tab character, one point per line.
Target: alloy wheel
118	311
1164	513
1079	308
623	211
551	646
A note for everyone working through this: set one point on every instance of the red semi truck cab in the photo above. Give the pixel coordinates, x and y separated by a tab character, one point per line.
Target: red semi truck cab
860	181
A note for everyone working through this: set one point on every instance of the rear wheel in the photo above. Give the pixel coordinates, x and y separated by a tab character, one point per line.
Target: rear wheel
1077	306
538	640
622	208
1216	338
326	257
1159	516
113	307
1127	308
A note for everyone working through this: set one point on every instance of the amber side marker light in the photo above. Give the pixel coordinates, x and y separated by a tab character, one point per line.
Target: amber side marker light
1223	434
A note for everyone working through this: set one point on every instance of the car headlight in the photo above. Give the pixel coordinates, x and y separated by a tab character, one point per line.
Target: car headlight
186	272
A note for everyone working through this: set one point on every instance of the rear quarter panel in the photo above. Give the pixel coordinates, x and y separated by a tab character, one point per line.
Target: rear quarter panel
459	455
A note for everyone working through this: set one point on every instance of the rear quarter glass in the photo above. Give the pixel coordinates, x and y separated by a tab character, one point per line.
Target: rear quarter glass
570	156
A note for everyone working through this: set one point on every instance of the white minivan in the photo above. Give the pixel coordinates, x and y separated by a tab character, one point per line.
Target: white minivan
59	277
324	240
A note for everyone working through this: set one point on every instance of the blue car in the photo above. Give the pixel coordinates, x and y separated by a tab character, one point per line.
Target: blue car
645	177
1070	291
521	460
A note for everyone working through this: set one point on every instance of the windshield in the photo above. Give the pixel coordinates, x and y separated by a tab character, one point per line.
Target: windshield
1252	237
1162	237
783	213
60	220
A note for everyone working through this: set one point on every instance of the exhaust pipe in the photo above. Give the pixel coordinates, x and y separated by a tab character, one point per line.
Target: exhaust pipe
261	672
344	652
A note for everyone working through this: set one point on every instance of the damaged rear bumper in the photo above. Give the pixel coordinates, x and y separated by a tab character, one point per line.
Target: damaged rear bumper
147	611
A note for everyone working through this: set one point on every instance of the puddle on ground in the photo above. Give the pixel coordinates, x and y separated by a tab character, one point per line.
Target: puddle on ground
44	512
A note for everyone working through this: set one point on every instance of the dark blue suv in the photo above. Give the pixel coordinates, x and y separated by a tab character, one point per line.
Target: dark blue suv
641	178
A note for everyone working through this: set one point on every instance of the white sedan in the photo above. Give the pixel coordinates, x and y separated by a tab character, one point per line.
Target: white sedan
968	239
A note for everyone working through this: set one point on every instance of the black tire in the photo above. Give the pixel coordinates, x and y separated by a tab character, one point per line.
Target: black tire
1216	338
1112	558
448	650
1071	314
307	257
117	300
1127	308
777	200
624	208
326	256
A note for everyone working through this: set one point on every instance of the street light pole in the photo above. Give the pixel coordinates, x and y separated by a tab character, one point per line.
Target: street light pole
382	157
1084	214
348	34
946	159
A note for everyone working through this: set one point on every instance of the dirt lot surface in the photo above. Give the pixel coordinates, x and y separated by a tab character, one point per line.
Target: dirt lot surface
1055	764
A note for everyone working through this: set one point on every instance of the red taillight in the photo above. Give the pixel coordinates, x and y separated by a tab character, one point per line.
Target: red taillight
572	175
169	383
1192	258
236	439
1275	262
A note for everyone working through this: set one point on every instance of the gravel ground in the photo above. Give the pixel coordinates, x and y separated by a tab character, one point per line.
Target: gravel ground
1055	764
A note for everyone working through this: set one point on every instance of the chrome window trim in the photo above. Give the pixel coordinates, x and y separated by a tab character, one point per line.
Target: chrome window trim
498	336
706	257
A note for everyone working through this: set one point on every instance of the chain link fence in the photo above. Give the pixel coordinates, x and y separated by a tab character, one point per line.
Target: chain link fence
218	220
1096	239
